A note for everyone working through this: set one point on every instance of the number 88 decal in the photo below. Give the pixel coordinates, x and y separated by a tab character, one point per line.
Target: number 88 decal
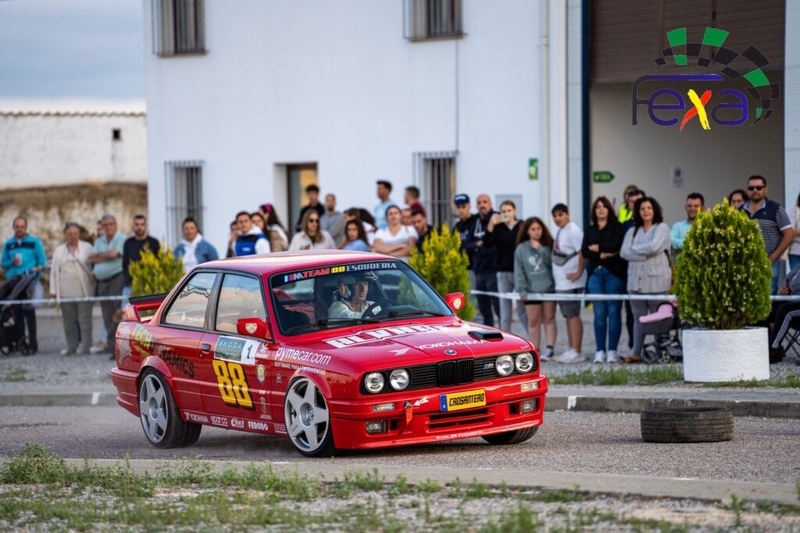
232	384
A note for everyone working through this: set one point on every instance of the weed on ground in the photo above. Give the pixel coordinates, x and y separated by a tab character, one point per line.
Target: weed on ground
650	375
40	492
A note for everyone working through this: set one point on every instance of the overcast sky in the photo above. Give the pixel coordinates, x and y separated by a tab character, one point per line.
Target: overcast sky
71	49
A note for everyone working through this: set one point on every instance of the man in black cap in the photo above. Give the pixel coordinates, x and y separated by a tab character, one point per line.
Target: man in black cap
465	227
384	190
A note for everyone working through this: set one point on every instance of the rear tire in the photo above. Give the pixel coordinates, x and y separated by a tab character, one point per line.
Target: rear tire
690	424
511	437
158	413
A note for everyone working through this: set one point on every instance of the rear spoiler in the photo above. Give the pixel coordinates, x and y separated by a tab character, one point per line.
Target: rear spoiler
142	308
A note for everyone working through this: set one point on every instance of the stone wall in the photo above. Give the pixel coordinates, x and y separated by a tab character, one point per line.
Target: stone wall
48	209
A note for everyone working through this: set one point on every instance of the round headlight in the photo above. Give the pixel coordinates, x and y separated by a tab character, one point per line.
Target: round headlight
504	365
524	363
374	382
399	379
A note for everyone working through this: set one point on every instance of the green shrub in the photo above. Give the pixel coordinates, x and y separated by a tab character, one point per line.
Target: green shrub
155	274
444	265
723	272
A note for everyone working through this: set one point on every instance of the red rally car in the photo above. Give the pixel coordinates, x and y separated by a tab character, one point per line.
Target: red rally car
337	350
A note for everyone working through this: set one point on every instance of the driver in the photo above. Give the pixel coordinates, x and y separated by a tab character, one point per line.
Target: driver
354	290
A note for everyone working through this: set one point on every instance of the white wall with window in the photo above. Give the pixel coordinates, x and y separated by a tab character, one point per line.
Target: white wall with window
404	90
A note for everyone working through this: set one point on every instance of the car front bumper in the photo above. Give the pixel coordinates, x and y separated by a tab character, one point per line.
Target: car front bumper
419	417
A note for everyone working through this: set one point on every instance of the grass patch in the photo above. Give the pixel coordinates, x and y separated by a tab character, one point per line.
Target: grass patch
787	382
39	491
17	375
650	375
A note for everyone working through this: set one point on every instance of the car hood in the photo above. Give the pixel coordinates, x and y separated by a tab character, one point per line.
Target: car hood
417	344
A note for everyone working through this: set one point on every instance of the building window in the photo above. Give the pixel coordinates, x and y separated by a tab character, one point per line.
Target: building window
116	134
432	19
178	27
184	196
435	174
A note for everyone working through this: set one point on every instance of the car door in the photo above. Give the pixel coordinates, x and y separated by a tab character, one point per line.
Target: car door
232	383
183	326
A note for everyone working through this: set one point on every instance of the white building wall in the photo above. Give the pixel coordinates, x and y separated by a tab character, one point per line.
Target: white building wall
790	92
50	149
337	84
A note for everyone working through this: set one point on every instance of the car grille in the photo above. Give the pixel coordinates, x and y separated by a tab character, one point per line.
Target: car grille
447	374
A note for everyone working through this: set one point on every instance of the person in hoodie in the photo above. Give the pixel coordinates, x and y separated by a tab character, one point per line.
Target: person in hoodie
250	240
193	248
484	261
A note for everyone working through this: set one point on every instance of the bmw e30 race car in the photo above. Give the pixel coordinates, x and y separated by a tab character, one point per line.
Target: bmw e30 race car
337	350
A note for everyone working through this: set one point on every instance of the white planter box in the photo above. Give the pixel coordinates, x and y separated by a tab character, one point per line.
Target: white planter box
726	355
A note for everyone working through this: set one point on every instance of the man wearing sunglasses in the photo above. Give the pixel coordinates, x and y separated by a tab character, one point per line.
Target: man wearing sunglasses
776	228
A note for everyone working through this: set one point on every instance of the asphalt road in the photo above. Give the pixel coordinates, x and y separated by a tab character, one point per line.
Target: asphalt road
764	450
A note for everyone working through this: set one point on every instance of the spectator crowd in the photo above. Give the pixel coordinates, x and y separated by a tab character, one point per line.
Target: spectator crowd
625	250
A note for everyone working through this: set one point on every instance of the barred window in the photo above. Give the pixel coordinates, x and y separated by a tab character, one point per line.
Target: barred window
178	27
432	19
436	172
184	196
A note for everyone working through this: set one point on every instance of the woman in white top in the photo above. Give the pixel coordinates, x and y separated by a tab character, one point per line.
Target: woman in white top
646	249
70	277
356	305
397	240
311	236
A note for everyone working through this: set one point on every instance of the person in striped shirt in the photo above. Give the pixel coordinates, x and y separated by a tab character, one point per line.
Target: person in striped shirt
776	228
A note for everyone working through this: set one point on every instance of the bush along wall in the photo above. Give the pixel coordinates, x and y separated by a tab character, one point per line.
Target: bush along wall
155	273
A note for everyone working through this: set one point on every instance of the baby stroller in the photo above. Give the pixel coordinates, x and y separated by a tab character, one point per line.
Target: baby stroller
12	332
665	327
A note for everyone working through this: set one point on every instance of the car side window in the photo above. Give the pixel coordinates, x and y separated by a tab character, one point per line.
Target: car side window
239	297
189	308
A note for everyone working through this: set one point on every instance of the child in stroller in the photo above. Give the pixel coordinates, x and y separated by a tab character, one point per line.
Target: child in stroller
665	327
12	328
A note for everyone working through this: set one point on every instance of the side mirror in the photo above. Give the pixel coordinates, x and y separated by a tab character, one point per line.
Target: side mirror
455	301
253	327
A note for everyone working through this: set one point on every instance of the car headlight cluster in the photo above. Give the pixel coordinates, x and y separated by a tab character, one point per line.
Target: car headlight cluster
398	379
506	364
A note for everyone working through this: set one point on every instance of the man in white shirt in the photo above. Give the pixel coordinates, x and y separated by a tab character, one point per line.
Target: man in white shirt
570	278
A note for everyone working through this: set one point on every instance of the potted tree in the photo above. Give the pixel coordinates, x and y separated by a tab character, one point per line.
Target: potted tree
723	285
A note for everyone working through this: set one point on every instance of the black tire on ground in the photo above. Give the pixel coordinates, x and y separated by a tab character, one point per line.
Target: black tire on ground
689	424
158	413
511	437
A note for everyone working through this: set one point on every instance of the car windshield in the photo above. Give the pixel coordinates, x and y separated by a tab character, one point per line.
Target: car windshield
341	295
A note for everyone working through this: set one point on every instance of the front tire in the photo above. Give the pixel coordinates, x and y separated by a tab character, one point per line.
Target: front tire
511	437
307	419
158	412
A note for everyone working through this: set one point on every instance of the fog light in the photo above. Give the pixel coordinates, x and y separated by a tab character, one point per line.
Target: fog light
381	407
529	405
376	426
530	385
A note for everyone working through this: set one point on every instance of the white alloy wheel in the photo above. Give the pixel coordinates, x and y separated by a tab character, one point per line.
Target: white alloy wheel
158	412
308	419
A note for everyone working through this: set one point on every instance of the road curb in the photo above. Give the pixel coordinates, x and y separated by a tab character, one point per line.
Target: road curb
764	409
555	402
